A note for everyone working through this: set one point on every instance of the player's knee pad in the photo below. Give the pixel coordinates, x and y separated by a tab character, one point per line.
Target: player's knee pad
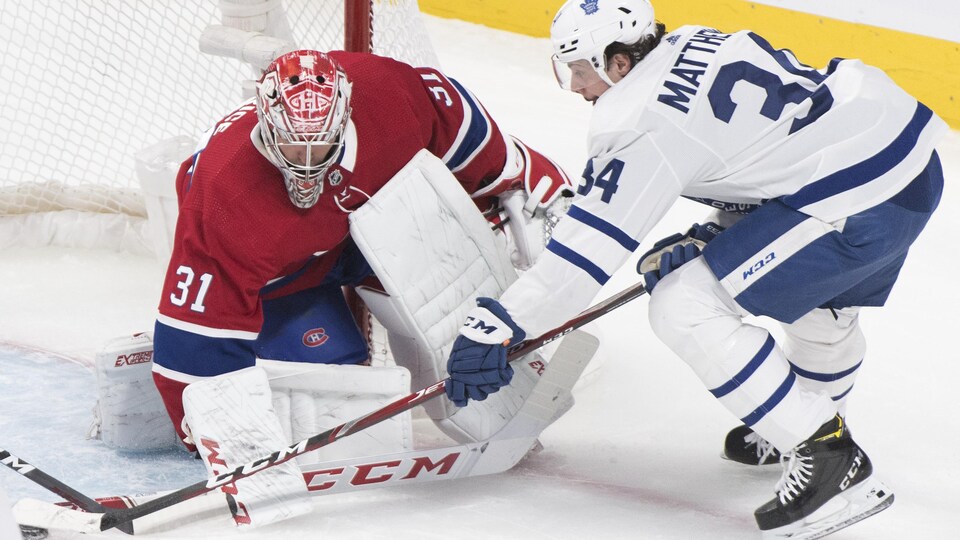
130	414
688	300
696	318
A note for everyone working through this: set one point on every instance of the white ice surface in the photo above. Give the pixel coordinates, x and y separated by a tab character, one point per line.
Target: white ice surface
637	457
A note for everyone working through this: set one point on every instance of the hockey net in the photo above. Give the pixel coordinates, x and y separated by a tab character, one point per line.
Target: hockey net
88	84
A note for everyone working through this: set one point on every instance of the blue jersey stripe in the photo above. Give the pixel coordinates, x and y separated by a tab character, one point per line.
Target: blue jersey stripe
579	261
605	227
200	356
476	132
747	370
867	170
772	402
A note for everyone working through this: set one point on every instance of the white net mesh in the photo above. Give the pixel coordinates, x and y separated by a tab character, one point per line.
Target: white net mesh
88	83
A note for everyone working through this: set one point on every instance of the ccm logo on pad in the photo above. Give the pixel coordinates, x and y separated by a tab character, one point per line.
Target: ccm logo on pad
405	468
133	358
315	337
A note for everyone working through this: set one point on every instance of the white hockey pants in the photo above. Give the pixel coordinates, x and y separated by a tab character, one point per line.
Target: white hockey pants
743	366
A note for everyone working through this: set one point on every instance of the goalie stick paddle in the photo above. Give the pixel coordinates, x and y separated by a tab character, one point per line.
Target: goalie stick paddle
122	518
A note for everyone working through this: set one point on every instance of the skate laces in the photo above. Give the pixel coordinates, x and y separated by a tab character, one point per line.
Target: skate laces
764	447
797	471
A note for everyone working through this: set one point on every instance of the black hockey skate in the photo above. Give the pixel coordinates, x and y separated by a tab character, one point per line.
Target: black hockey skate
744	446
827	485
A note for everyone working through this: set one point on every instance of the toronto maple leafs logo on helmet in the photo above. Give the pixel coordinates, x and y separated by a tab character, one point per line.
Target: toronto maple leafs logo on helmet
590	6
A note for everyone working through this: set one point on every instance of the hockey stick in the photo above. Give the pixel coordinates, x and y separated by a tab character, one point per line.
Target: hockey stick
68	493
121	519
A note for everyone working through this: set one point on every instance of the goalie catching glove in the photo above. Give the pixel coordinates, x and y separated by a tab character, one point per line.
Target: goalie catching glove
532	194
674	251
478	363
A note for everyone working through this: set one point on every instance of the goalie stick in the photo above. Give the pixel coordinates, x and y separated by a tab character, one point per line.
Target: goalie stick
117	518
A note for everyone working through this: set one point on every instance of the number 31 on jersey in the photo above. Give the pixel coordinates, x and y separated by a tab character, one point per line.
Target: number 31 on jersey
184	285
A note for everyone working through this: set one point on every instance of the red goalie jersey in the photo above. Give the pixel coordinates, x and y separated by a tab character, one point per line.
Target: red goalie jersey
240	244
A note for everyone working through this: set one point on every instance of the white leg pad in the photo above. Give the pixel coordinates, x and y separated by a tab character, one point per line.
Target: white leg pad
232	421
312	398
129	414
435	254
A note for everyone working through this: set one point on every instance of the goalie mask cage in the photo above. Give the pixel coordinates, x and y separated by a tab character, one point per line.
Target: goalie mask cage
89	83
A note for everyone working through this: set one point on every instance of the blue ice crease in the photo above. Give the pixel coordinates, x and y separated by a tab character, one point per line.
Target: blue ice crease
46	407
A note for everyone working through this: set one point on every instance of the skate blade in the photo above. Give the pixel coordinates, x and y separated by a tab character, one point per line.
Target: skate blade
765	465
860	502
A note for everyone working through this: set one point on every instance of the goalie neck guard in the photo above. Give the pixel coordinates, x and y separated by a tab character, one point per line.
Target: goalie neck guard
303	106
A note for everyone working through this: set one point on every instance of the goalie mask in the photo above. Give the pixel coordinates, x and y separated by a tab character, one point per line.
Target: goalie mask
303	105
583	29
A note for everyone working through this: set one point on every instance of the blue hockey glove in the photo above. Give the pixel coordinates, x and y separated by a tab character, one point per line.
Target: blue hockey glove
478	363
674	251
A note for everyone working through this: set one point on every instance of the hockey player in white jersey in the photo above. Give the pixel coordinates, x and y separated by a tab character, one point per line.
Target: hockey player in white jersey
819	179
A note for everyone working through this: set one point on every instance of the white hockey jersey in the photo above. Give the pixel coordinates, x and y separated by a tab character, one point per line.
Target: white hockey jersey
729	121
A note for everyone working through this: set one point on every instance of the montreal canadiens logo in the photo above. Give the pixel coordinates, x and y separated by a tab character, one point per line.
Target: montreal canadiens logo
315	337
310	102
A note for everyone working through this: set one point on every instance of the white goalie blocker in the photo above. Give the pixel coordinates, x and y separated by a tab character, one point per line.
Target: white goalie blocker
434	254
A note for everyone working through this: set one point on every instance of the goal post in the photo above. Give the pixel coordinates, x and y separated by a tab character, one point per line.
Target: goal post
90	84
357	36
